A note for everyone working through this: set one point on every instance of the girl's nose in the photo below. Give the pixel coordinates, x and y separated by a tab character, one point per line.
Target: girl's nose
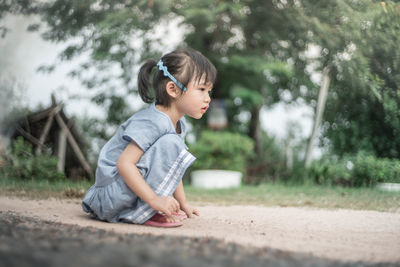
208	98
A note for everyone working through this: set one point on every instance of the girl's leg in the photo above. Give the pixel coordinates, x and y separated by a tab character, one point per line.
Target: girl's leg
162	166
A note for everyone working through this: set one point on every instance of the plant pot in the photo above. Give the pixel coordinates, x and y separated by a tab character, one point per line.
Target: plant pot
394	187
213	179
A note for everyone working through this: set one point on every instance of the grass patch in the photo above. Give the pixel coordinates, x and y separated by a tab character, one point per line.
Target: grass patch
43	189
266	195
300	196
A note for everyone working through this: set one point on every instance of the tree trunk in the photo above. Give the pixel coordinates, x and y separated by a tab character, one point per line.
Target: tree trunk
255	129
323	93
61	150
288	154
74	144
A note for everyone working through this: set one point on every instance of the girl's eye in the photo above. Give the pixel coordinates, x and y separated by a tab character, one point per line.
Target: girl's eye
204	89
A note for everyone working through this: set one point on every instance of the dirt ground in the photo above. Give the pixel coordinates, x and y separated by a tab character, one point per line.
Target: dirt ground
221	236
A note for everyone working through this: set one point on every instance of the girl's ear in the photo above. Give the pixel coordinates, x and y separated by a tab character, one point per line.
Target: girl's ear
172	89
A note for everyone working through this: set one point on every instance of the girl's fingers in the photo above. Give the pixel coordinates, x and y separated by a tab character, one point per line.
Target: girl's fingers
177	206
189	214
190	211
174	204
167	212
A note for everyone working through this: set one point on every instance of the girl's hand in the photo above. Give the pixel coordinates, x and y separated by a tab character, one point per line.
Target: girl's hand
166	205
189	210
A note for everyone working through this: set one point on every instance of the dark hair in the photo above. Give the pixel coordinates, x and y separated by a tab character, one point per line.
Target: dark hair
184	64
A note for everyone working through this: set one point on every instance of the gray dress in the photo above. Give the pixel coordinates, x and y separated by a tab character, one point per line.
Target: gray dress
162	166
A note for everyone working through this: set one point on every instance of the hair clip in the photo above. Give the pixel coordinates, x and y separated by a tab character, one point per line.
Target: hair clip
166	73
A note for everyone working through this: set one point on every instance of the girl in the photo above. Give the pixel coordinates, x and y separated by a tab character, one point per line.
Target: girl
139	172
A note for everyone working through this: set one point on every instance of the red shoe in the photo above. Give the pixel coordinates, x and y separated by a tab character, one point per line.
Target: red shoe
159	220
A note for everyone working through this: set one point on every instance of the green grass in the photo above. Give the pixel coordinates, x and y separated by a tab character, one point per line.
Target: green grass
300	196
43	189
266	195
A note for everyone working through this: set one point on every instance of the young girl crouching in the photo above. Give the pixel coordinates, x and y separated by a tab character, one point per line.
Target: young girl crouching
140	169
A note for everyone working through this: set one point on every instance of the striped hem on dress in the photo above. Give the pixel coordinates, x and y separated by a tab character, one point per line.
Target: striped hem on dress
170	182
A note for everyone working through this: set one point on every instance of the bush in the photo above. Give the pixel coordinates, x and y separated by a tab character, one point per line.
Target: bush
330	172
267	167
222	150
369	170
23	164
359	170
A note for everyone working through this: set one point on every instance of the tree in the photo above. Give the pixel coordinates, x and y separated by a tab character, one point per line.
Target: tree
248	75
11	103
357	42
260	50
103	31
113	37
323	93
363	109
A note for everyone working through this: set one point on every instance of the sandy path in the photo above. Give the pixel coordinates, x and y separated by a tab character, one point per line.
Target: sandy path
333	234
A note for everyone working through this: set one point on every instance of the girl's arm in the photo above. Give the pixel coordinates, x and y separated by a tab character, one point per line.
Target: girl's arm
179	195
126	166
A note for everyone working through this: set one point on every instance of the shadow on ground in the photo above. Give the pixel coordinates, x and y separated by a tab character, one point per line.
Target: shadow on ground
26	241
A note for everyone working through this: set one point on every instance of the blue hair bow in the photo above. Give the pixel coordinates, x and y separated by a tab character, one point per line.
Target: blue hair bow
167	74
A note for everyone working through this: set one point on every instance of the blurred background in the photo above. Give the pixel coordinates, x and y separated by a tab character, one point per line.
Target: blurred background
308	92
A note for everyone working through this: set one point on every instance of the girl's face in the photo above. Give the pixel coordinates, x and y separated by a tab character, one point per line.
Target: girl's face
196	100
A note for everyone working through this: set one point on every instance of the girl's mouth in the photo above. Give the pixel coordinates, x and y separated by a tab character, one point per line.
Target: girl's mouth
204	109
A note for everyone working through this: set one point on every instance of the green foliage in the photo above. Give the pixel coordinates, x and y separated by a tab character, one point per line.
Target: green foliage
329	172
114	37
24	165
360	170
222	150
219	30
11	102
362	111
369	170
269	166
260	50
